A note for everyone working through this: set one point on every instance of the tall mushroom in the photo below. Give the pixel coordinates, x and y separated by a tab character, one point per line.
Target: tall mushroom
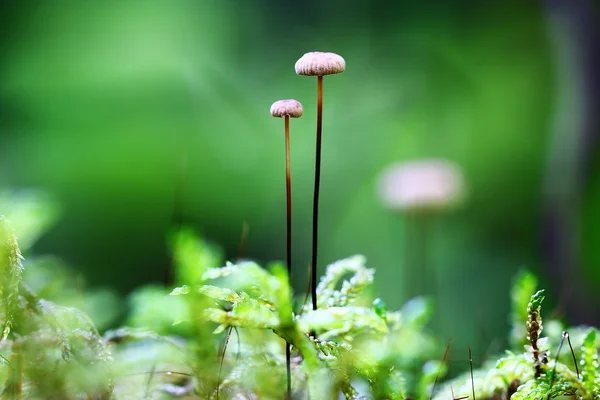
318	64
287	109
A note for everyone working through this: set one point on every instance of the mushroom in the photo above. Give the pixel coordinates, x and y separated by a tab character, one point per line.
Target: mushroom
421	189
287	109
421	185
318	64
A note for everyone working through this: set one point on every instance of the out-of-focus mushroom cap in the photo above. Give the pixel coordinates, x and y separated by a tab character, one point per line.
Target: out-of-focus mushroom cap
290	107
422	185
318	63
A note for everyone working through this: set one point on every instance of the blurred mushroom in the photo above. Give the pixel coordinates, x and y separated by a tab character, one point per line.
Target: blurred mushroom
318	64
422	185
420	190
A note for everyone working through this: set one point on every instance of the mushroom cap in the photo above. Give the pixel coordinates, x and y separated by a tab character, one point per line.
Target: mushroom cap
290	107
318	63
423	185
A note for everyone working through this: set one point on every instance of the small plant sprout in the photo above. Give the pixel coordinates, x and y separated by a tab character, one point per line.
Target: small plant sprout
318	64
420	190
536	348
287	109
471	371
440	368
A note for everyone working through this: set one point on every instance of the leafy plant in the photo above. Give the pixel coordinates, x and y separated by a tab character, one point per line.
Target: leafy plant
352	345
336	340
532	374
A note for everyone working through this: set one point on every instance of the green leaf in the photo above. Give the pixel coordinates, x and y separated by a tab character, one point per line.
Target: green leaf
536	301
589	362
533	389
180	290
11	270
416	312
282	293
362	277
534	330
431	371
192	256
152	309
246	312
380	308
339	322
218	293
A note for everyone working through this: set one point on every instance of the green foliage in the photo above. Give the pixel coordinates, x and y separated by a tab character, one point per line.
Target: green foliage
11	270
192	256
351	288
151	308
352	346
532	374
50	279
64	355
590	370
51	351
534	330
343	339
146	364
31	213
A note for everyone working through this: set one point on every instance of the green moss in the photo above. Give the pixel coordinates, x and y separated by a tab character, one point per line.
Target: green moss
353	345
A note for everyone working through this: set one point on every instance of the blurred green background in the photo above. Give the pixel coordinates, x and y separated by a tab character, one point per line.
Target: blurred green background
134	114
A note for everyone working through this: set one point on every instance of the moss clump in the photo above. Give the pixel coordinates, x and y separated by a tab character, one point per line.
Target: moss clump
352	345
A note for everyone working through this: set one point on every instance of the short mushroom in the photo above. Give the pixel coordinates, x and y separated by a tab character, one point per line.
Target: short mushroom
286	109
318	64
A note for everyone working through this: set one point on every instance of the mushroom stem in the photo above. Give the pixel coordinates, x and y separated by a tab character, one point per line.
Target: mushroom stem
420	280
316	195
288	366
288	186
177	215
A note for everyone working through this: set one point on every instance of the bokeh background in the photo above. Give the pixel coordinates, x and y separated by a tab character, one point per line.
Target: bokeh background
133	116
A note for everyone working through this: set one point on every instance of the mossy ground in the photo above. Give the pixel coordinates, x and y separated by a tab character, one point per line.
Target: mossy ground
173	346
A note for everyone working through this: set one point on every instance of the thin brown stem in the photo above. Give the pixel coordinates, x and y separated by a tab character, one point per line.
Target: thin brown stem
562	340
440	368
176	216
457	398
147	392
243	240
307	291
572	352
471	368
223	359
316	195
288	187
288	366
165	372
